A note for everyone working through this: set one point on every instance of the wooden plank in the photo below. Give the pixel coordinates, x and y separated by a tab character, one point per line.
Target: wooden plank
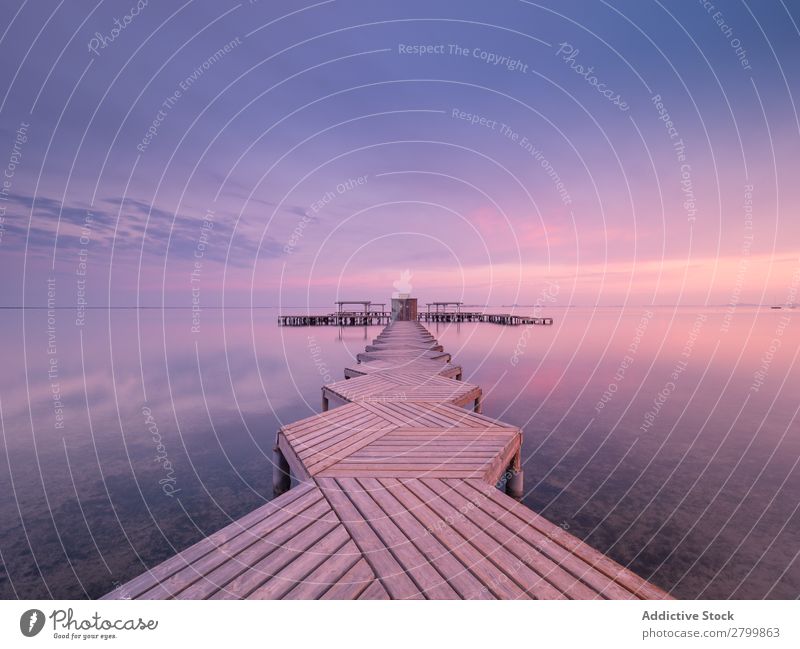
430	415
296	465
354	418
383	563
543	567
328	574
497	467
428	439
427	446
349	417
459	578
568	561
508	567
245	582
332	445
341	450
482	459
326	419
395	412
428	367
414	386
415	451
218	571
351	472
439	415
303	565
414	564
413	345
405	341
398	354
265	517
401	460
477	564
621	575
325	438
363	468
374	591
354	582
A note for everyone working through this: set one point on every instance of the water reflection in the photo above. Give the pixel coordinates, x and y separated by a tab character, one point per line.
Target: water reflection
667	438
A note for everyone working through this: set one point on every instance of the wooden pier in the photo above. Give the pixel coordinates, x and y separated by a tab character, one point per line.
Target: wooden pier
419	366
479	316
370	316
400	493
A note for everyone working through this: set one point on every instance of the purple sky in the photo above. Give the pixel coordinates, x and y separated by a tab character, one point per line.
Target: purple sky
332	157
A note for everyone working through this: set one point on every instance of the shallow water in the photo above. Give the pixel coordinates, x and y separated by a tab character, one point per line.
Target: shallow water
665	437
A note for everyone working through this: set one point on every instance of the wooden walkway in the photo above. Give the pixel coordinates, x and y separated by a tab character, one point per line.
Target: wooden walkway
398	496
400	439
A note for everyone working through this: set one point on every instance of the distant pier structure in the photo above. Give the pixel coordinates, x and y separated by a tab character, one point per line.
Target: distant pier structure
404	309
342	317
452	312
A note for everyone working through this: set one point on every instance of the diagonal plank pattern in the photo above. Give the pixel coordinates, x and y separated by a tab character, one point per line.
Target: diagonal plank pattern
404	386
423	367
292	547
397	499
400	439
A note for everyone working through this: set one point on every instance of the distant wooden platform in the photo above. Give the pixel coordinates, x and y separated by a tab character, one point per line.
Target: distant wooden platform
400	496
338	319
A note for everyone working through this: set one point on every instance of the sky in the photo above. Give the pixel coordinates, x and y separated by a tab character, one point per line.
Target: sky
296	153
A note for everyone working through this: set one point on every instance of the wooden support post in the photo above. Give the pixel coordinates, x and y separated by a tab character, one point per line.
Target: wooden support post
515	483
325	404
478	404
281	477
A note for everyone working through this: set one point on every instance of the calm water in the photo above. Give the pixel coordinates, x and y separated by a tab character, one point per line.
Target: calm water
131	437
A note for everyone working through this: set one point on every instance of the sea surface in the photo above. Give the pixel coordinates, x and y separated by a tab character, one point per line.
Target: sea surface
666	437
